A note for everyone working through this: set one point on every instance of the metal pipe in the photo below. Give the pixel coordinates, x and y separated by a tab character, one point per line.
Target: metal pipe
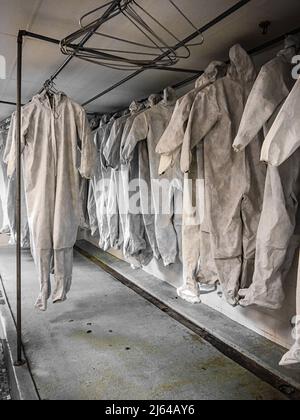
190	38
38	36
175	69
8	103
19	360
253	51
273	42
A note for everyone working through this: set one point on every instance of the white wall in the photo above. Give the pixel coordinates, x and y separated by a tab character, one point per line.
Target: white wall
274	325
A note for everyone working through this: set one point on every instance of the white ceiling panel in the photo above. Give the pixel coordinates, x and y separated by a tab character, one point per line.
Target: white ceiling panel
81	80
59	18
17	14
10	89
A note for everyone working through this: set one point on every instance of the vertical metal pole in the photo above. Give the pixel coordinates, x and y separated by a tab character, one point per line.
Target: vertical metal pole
18	201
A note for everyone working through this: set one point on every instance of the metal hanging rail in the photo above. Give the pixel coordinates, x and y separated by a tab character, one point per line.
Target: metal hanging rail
253	51
197	73
20	39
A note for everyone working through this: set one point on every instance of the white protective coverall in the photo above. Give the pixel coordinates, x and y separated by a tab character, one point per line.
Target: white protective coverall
281	143
149	126
140	254
3	184
101	183
139	225
111	154
233	182
91	203
198	264
56	147
278	234
136	243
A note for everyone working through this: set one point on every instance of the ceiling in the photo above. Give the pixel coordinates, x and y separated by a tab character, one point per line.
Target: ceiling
81	80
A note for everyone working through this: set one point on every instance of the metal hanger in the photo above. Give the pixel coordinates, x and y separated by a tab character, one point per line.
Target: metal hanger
50	87
120	58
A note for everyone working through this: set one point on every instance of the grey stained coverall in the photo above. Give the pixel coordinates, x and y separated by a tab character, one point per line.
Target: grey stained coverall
91	202
150	126
52	133
198	264
100	185
135	246
277	237
111	154
140	223
136	243
233	182
281	143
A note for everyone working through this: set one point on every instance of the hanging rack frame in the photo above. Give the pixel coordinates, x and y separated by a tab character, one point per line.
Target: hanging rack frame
20	40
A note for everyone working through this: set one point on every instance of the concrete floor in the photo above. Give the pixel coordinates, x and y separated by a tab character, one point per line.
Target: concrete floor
107	342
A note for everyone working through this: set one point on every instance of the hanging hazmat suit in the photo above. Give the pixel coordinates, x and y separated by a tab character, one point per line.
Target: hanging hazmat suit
150	126
91	204
140	222
281	151
269	92
141	254
101	184
169	146
53	130
136	243
198	265
111	154
145	185
3	184
277	237
233	182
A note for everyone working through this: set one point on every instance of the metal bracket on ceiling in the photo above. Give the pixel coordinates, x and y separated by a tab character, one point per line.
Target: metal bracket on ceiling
265	26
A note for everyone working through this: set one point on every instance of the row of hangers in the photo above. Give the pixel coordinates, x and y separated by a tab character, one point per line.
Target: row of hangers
145	23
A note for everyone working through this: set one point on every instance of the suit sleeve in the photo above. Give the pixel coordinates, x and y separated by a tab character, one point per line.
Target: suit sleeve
283	138
268	92
204	116
10	152
88	148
